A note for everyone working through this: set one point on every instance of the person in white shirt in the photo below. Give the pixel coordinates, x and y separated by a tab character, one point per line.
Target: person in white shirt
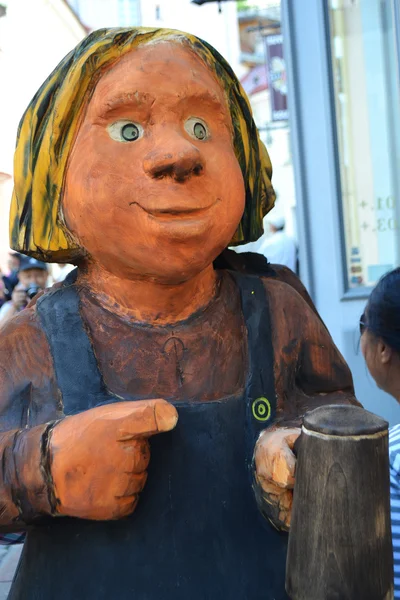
60	271
279	248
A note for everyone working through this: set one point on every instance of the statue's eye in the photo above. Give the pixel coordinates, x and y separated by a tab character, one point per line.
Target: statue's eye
125	131
197	129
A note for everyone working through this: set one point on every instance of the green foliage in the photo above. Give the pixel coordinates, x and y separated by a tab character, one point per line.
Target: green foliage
245	4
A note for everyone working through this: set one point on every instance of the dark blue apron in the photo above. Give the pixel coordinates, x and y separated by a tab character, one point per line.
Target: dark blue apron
196	533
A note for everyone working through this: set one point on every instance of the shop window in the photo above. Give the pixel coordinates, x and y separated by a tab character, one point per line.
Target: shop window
367	100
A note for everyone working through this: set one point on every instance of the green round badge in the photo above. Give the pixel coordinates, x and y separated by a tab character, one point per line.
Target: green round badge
261	409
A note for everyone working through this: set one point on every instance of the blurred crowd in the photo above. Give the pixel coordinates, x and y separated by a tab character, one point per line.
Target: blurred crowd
25	278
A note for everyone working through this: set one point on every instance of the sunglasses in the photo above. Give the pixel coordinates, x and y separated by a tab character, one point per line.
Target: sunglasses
363	324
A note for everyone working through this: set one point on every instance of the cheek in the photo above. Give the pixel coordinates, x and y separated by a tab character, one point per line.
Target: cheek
235	192
87	167
228	184
363	345
368	352
371	360
99	174
233	182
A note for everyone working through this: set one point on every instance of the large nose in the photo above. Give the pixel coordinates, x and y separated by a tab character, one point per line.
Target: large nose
178	159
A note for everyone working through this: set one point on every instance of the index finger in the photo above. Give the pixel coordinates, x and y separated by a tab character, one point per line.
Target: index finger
147	418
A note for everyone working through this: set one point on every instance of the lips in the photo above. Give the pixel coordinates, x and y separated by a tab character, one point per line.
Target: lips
175	212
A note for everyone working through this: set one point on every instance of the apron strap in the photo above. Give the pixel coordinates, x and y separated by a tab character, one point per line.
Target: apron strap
78	376
77	371
260	387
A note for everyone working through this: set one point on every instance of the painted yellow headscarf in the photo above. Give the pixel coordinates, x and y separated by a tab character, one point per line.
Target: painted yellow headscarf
49	126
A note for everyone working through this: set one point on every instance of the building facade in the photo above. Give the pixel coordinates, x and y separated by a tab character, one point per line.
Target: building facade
344	101
218	28
27	55
265	84
107	13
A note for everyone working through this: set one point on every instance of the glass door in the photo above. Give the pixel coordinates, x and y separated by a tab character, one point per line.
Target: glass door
364	49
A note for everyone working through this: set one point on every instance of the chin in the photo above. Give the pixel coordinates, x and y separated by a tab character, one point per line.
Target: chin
178	273
381	386
175	269
190	231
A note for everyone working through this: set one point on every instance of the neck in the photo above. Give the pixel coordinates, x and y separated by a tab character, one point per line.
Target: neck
148	300
395	391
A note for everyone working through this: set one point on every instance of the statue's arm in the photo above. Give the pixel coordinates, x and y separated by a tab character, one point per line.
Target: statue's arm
25	383
309	371
91	465
286	275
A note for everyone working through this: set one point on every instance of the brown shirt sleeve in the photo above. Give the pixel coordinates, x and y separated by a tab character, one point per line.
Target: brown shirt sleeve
286	275
309	369
26	379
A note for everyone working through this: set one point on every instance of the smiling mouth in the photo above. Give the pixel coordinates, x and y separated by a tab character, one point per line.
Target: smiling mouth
175	213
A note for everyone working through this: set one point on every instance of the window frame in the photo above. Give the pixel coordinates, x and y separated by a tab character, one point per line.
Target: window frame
361	292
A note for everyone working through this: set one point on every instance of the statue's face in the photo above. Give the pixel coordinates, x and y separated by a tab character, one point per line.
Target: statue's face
153	186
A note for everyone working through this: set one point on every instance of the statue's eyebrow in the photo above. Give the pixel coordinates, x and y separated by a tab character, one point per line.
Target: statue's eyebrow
144	101
126	99
204	96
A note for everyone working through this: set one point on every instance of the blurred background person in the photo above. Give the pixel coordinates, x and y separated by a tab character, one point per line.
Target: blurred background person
380	345
32	276
278	247
3	298
275	245
10	280
60	271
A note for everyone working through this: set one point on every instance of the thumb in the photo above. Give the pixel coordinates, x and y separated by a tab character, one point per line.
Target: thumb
146	418
285	461
283	468
292	436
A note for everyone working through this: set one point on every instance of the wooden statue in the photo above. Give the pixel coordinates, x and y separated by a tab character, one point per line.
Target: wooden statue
138	160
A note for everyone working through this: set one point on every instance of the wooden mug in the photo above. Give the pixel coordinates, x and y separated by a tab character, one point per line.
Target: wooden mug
340	544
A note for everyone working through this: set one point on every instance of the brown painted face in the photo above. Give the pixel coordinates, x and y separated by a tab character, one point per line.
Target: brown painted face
153	186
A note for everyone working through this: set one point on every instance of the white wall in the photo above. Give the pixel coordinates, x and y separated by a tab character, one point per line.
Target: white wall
218	29
97	14
34	36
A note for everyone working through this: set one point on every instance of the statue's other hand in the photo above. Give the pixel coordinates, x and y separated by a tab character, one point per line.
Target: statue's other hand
99	458
275	470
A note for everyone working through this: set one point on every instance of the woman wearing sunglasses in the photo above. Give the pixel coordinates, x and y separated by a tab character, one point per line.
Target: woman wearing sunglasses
380	345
